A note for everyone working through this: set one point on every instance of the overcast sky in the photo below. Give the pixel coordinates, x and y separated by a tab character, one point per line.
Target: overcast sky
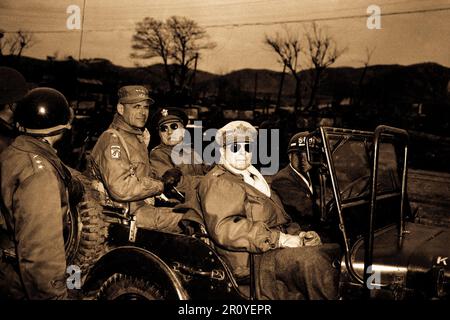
238	27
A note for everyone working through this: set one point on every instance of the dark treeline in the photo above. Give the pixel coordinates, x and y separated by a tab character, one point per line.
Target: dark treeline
414	97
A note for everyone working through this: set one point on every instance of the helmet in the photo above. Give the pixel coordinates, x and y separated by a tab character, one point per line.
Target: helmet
298	142
12	85
43	112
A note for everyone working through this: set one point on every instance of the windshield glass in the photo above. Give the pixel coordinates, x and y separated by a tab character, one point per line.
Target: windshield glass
351	161
350	153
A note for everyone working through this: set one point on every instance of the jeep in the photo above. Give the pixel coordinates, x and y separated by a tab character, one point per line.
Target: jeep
361	182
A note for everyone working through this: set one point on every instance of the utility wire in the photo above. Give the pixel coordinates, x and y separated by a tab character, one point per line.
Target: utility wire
82	30
323	19
268	23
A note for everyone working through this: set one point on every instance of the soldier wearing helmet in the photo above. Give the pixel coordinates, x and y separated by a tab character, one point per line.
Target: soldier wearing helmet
293	183
12	88
34	200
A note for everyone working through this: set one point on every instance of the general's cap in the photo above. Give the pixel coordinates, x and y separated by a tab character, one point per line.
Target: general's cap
236	131
133	94
164	115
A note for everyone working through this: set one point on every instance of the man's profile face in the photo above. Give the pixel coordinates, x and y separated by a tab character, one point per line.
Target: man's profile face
171	133
299	160
238	155
135	114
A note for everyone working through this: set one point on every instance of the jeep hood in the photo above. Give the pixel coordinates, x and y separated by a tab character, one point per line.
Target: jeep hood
422	248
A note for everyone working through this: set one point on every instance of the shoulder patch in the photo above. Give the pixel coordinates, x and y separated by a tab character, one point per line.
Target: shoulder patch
115	152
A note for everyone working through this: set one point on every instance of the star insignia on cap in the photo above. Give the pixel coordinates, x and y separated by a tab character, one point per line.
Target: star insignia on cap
164	112
241	127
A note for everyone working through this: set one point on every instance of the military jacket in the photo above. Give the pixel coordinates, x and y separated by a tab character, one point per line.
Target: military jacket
120	161
34	203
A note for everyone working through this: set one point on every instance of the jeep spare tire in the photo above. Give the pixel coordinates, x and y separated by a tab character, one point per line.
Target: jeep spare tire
85	231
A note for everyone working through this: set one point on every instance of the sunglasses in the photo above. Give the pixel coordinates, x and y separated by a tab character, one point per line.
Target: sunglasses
235	147
165	127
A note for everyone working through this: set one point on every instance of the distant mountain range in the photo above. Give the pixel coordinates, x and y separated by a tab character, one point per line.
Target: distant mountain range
425	82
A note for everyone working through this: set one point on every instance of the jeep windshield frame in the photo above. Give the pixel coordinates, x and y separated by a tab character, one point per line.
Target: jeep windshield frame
365	168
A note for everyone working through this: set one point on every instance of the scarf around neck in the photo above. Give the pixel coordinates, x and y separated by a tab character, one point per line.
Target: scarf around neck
119	123
251	176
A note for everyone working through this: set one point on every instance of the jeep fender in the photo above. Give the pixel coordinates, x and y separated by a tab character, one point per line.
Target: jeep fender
135	261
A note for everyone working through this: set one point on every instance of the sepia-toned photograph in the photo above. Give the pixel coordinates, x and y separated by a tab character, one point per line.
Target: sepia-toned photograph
224	150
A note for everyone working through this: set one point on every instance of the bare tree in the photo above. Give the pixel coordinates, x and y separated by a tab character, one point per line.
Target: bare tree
6	43
19	42
287	45
151	40
177	41
322	51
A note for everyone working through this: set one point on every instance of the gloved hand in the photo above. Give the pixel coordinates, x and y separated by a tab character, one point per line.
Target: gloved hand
171	178
310	238
289	241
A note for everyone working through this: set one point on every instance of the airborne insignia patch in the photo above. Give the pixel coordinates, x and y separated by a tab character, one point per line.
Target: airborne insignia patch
115	152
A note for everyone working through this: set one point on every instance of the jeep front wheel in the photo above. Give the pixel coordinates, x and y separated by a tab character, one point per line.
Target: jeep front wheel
124	287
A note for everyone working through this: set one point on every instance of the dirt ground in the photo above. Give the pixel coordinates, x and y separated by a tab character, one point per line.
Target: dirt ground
429	196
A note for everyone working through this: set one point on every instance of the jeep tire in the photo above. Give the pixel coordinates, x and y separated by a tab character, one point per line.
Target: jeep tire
85	230
124	287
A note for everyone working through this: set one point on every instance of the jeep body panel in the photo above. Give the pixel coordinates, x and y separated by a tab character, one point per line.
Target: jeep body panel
366	213
367	194
190	264
410	268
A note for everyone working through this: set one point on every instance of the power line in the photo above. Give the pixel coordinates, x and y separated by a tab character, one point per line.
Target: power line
268	23
82	30
381	5
391	3
322	19
200	5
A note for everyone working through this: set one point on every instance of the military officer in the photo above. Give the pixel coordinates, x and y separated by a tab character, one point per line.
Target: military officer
34	200
13	87
120	164
243	215
173	152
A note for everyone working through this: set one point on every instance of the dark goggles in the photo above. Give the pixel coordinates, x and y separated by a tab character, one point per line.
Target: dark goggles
165	127
235	147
